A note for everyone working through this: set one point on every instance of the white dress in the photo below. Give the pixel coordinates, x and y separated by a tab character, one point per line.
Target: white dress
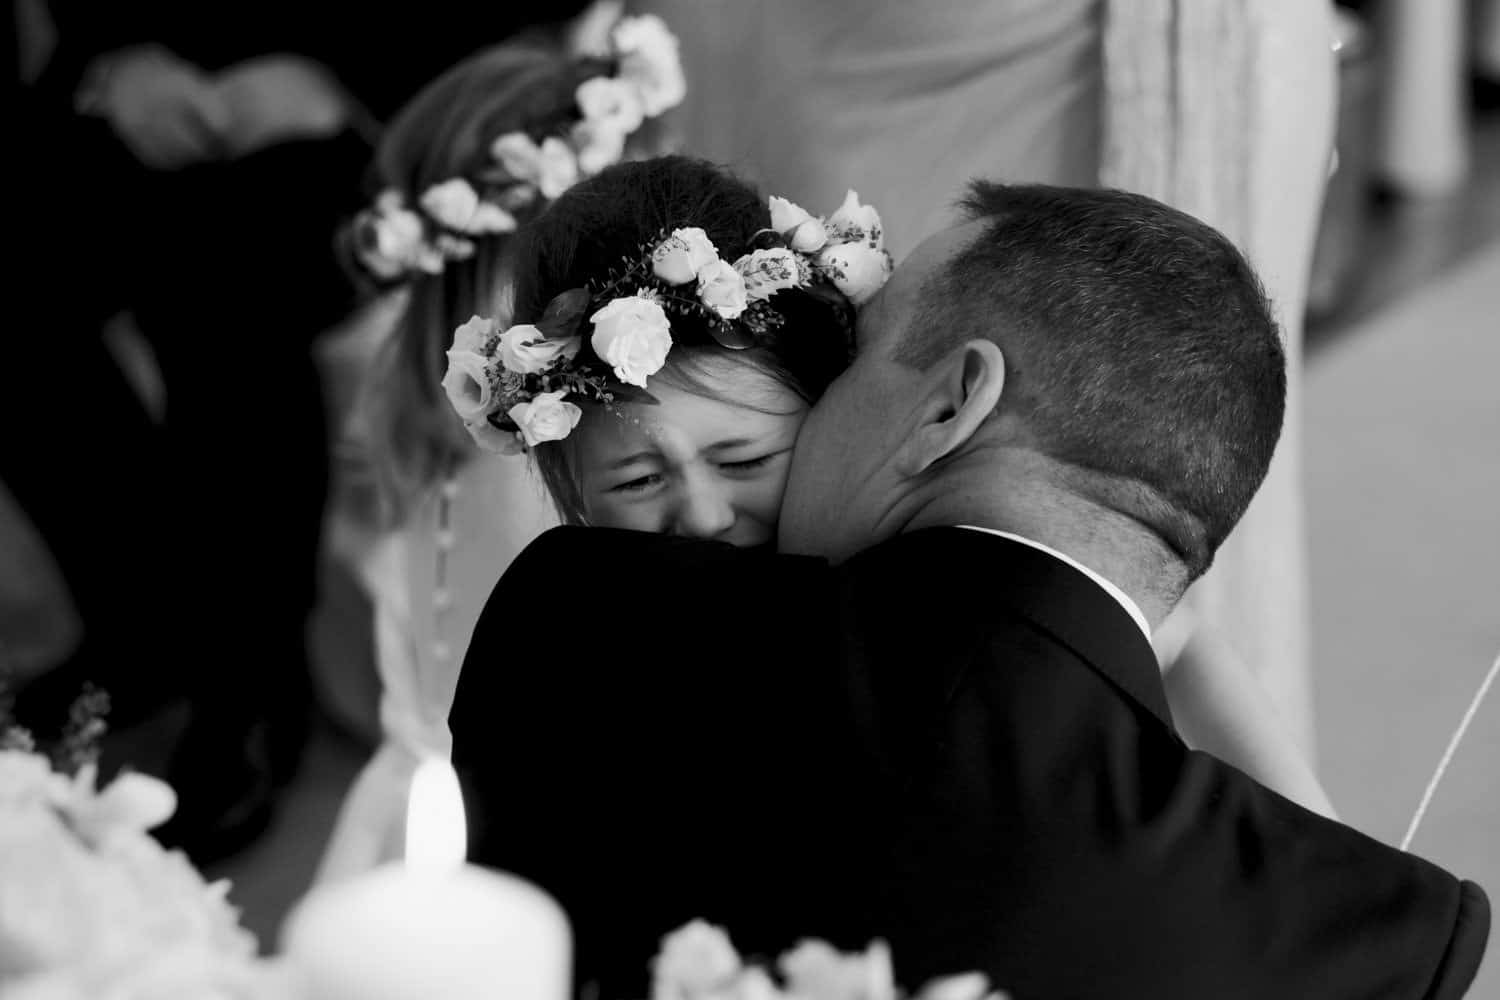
427	582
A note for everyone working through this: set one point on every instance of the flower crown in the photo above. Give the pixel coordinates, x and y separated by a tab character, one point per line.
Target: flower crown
511	387
394	239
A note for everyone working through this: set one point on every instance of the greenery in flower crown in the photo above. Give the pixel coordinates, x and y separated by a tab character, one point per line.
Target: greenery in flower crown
76	746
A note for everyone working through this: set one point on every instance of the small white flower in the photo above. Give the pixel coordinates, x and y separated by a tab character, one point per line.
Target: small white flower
519	155
694	959
767	272
856	223
398	241
451	203
599	145
546	418
816	969
856	269
649	60
632	335
526	350
722	289
969	986
491	218
803	230
456	205
469	384
476	336
551	166
678	258
559	168
610	102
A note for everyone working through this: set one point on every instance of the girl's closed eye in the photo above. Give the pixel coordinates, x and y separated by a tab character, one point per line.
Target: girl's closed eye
638	485
751	464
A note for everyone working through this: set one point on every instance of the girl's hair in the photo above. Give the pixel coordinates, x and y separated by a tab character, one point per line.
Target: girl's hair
446	132
622	211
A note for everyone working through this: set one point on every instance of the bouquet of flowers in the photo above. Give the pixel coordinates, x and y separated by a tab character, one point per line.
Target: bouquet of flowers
698	962
90	904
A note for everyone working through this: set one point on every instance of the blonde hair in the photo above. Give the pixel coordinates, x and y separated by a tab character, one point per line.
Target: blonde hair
444	132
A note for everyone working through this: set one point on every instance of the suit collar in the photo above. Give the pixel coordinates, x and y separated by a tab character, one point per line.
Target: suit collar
996	576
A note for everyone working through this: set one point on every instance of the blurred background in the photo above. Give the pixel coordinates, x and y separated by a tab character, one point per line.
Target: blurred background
165	490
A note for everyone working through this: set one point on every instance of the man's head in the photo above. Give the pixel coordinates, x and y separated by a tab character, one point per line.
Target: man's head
1086	349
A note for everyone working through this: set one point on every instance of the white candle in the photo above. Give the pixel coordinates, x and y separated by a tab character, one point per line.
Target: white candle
432	927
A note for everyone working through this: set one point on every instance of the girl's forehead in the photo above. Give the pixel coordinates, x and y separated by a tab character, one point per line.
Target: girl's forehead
682	425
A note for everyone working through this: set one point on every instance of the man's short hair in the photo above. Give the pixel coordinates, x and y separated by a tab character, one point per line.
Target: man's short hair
1140	349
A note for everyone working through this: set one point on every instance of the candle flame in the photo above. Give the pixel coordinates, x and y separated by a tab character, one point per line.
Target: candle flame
435	829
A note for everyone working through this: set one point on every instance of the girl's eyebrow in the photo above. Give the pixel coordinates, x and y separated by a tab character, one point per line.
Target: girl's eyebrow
640	456
731	443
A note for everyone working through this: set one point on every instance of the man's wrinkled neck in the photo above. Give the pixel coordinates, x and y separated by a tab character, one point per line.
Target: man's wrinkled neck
1011	493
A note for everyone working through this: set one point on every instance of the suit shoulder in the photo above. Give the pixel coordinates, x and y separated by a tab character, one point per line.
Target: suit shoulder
1471	933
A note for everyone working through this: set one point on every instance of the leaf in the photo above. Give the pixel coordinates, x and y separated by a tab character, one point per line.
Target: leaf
561	318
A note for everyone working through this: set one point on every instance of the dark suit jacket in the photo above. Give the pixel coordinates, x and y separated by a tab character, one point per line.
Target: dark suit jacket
953	742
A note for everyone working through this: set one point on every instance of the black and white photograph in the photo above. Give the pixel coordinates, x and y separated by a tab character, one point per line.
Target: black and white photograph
751	500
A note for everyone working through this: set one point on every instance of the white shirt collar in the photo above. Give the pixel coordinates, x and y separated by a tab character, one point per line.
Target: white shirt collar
1129	605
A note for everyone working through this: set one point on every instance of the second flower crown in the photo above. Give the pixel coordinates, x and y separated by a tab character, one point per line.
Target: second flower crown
641	78
513	388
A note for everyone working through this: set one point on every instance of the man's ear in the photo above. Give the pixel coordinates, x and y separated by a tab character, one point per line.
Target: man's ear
963	390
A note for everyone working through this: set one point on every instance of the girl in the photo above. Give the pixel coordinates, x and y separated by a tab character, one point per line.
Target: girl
426	529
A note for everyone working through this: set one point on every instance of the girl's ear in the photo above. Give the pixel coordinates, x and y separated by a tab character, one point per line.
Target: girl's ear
965	388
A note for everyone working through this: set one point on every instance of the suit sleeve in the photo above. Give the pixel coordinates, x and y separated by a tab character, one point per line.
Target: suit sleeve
1471	931
1150	869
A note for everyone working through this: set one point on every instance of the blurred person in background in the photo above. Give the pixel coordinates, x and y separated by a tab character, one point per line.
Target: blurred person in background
189	165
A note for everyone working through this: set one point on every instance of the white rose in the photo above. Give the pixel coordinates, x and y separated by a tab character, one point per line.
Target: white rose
856	269
526	350
721	288
632	335
598	145
611	102
856	223
468	385
451	203
546	418
803	230
679	258
648	59
475	336
767	272
694	960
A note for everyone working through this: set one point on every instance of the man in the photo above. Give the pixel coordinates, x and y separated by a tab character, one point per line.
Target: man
941	722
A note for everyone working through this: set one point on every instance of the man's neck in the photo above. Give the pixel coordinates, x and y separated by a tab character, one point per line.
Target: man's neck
1106	542
1105	583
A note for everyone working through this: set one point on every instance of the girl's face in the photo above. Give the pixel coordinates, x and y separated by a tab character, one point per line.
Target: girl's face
693	465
